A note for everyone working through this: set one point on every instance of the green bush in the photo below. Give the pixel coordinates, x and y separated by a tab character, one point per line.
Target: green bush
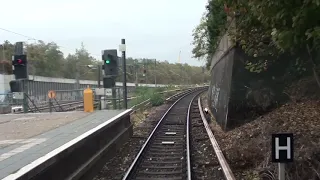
156	99
141	90
144	93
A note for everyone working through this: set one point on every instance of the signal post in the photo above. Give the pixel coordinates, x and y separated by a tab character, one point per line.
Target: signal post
110	67
20	71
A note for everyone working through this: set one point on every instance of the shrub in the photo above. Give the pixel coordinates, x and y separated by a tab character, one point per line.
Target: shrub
156	99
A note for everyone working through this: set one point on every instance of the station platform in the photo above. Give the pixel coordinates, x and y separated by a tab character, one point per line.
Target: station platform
27	137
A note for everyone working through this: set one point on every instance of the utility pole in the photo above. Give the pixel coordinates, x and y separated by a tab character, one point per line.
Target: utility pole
123	49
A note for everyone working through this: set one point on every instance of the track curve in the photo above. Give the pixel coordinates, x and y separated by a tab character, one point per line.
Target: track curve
166	152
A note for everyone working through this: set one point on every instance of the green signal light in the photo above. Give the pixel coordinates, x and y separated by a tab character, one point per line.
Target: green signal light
107	61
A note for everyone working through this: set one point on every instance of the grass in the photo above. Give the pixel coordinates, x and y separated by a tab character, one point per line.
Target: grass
144	93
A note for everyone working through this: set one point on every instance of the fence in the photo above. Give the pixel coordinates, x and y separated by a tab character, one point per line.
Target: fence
36	100
64	100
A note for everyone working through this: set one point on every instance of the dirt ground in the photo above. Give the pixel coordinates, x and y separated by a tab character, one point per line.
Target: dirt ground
248	147
115	168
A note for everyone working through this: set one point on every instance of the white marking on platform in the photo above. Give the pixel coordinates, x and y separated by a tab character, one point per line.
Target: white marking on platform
167	142
43	113
24	118
171	133
4	142
28	143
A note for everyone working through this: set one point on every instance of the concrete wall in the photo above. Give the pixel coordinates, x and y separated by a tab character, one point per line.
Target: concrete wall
221	77
224	45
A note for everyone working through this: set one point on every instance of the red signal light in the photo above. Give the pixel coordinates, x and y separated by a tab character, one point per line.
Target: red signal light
19	61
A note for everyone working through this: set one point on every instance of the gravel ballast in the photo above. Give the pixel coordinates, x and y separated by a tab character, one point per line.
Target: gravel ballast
116	167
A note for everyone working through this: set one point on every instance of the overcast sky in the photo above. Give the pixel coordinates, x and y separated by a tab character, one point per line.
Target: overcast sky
152	28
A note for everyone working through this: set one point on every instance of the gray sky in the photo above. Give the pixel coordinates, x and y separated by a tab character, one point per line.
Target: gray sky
152	28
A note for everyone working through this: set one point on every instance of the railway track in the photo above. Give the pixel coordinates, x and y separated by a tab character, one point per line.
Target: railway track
171	152
166	152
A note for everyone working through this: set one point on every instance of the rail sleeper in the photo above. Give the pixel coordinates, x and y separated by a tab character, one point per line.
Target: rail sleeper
165	153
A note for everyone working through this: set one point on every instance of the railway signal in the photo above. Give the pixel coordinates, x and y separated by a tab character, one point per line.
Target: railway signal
108	82
19	60
110	62
110	67
19	63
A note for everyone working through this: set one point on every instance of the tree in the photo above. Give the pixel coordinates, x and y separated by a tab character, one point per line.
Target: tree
6	51
201	39
207	34
46	59
267	31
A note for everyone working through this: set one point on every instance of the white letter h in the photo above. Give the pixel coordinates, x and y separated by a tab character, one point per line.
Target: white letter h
287	148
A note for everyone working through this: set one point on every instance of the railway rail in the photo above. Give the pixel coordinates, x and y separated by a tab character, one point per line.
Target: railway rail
207	159
166	154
